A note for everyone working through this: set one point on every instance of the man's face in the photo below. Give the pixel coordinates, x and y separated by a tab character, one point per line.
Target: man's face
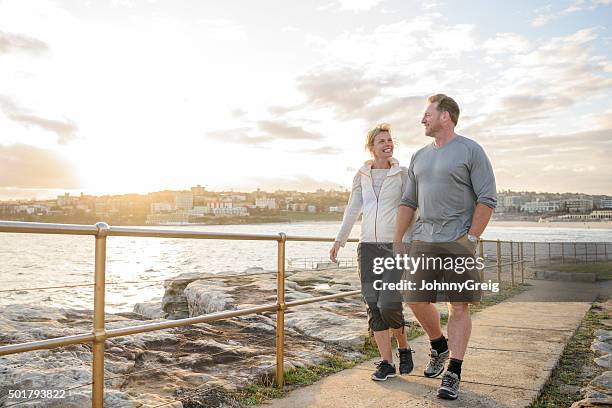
431	119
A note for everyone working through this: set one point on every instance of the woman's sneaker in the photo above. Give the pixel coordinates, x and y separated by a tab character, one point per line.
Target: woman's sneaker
405	358
449	389
436	363
383	371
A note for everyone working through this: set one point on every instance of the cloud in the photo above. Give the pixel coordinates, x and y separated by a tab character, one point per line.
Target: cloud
569	162
20	43
262	132
283	130
578	5
27	166
239	136
352	95
358	5
321	150
300	182
64	129
503	43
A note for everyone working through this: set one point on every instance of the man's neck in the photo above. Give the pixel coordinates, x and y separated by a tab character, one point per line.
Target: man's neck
444	137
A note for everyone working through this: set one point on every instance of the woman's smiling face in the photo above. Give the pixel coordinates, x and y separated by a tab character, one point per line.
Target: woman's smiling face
383	146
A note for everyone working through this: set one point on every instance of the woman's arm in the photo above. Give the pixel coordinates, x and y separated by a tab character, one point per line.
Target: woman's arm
351	213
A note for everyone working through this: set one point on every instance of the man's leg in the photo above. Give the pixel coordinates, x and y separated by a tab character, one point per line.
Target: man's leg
429	318
459	330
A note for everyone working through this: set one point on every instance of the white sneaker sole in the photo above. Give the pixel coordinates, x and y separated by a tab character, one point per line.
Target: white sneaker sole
383	379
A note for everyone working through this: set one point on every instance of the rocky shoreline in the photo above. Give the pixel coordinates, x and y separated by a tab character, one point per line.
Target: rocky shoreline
598	392
149	369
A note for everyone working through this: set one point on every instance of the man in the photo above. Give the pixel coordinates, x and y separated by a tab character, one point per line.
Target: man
451	182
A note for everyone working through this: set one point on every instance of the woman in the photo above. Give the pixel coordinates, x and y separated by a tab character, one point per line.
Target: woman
378	187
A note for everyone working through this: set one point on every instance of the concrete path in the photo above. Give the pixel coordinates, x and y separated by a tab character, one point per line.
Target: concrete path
513	348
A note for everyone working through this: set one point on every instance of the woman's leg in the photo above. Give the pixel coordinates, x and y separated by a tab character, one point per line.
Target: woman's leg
382	335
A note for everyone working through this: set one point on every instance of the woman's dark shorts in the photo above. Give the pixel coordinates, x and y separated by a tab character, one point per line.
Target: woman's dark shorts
384	306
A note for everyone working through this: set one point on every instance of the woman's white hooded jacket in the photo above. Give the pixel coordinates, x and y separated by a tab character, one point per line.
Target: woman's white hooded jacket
379	211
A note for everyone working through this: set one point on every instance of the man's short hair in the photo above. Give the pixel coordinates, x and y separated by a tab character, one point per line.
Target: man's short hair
446	104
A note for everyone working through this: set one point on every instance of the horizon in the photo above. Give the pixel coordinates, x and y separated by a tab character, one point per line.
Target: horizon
152	96
258	190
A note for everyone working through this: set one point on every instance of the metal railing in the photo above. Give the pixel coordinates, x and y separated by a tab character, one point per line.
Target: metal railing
101	231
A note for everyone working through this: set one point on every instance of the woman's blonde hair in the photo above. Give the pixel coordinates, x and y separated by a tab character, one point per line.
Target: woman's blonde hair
381	127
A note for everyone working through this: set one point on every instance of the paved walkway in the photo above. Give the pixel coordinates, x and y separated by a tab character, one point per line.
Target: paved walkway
513	348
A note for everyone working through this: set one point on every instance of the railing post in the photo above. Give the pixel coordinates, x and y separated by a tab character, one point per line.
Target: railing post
562	253
586	252
522	257
534	253
512	262
606	250
499	261
280	313
481	252
596	255
549	257
97	394
575	259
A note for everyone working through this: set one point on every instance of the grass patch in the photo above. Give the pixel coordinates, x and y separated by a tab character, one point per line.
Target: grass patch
576	367
602	269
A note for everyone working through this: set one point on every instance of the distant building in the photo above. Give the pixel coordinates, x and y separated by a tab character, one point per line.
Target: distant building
298	207
606	202
172	218
160	207
312	208
201	210
578	205
597	215
183	200
269	203
198	190
66	200
541	206
230	211
337	209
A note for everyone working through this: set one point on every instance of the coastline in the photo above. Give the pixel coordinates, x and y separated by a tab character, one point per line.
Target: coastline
563	224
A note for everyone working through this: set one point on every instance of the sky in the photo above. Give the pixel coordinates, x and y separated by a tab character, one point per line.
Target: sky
112	97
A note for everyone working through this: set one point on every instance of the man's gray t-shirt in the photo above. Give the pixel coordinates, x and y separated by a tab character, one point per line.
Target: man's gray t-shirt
445	183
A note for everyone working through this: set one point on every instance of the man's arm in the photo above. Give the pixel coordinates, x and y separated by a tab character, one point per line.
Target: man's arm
483	183
404	219
480	219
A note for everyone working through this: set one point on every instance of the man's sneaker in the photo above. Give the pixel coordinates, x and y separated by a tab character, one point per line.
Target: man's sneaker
405	358
383	371
449	389
436	363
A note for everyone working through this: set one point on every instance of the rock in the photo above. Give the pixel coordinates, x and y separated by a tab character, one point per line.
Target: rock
187	363
569	389
600	347
207	296
174	303
604	361
603	335
602	382
590	393
593	402
150	310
